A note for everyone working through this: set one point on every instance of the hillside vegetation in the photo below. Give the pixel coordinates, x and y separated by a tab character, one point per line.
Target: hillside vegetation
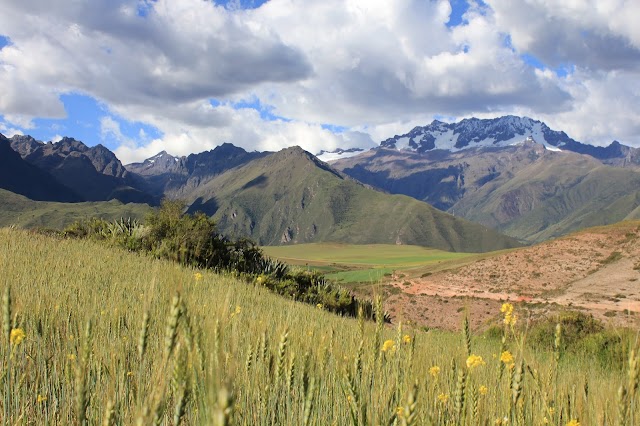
291	197
96	335
25	213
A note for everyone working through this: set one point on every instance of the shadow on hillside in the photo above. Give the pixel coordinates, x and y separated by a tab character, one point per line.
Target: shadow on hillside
209	207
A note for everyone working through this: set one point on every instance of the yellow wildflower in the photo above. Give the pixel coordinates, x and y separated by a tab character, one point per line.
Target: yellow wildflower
320	306
197	276
474	361
573	422
406	339
260	280
238	309
388	345
129	373
443	397
41	398
348	398
507	308
434	371
483	390
509	317
17	336
400	411
506	357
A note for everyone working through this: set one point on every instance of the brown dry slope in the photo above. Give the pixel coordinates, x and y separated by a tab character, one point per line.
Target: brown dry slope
595	270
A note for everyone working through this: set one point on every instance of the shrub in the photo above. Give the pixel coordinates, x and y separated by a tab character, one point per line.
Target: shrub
576	326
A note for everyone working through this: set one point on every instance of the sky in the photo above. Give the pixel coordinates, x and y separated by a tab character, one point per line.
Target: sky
142	76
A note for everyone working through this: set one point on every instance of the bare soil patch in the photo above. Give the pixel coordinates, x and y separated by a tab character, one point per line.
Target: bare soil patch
596	271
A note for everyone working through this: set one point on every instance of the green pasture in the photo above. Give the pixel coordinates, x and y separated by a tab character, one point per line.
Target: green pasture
350	263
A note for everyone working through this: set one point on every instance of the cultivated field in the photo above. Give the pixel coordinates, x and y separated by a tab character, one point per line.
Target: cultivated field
96	335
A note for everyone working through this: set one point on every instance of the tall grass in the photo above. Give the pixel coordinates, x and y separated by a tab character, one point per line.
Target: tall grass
115	338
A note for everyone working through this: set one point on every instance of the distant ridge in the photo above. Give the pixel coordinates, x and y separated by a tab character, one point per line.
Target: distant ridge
20	177
95	173
166	175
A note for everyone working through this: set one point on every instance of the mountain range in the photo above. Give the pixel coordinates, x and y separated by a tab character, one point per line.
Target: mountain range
503	132
512	175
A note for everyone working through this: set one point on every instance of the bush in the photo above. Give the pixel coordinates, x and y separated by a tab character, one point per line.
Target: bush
575	327
194	240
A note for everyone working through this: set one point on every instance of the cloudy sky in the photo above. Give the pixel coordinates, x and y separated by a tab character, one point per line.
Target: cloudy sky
141	76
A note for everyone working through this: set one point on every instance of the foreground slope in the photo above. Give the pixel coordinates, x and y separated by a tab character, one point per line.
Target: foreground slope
292	197
103	334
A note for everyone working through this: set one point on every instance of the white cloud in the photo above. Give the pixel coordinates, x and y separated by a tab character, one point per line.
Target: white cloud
372	66
381	61
180	52
245	129
589	33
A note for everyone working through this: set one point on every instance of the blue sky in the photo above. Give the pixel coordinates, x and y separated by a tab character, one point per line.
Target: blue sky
142	76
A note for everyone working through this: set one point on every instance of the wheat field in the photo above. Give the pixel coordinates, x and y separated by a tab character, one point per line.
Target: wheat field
93	335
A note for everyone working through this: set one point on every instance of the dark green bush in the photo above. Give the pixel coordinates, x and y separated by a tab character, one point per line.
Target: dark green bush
584	336
575	327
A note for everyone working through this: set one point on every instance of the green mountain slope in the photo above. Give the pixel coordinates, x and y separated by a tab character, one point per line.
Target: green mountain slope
603	196
291	197
524	191
25	213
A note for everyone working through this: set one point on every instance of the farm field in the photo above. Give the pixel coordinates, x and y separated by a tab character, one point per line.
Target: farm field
369	263
97	335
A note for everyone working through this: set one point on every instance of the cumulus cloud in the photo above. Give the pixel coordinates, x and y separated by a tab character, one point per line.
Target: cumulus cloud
369	66
177	53
245	129
601	35
381	61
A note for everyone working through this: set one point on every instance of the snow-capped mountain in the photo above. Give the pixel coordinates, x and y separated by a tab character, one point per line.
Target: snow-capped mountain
504	131
474	132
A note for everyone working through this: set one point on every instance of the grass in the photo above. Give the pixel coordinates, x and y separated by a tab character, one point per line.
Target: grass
16	210
116	338
368	263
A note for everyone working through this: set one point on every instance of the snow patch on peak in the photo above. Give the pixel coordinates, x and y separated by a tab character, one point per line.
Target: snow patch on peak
475	132
337	154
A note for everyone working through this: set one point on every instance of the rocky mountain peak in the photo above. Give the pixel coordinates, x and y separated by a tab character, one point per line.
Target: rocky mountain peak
24	144
499	132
